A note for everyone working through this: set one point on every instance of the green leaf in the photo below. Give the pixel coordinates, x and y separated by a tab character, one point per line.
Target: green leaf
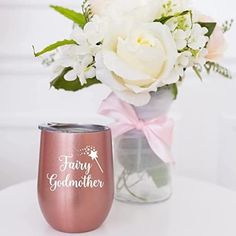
87	10
227	25
60	83
54	46
76	17
217	68
210	26
160	175
197	69
174	90
164	19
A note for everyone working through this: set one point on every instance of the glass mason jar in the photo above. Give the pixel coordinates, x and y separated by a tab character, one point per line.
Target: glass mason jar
141	176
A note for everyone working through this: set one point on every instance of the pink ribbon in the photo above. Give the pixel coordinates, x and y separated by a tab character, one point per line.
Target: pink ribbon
158	131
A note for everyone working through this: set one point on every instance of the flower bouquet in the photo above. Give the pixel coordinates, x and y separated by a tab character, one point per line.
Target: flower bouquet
141	50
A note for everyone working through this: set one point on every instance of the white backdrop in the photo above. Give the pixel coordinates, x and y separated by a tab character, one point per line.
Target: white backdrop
205	136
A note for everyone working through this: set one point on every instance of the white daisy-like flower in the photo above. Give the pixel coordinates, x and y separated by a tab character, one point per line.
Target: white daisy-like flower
180	28
88	39
82	70
182	62
180	38
198	38
66	57
80	57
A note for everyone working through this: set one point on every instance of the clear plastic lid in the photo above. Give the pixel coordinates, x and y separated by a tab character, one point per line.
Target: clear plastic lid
73	128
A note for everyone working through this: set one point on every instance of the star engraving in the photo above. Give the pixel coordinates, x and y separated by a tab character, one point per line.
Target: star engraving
94	157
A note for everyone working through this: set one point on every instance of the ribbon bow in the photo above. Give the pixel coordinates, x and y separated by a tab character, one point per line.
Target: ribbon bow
158	132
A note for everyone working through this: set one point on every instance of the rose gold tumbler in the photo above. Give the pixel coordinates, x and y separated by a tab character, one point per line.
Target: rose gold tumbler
75	181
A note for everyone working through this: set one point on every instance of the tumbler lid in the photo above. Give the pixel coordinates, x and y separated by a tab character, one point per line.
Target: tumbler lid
73	128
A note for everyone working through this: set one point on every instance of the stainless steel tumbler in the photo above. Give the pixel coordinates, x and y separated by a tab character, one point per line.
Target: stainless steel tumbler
75	180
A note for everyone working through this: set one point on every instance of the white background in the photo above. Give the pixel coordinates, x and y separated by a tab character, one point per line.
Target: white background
205	135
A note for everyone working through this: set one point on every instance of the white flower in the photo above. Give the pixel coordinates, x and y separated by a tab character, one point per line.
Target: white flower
80	57
197	39
140	10
183	22
82	66
180	26
82	70
180	38
136	59
182	63
89	38
98	6
66	57
93	31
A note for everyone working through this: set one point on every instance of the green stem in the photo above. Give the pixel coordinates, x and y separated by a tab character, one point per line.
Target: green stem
118	187
130	192
136	182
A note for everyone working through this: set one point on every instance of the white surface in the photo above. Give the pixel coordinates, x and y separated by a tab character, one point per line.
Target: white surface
195	209
202	148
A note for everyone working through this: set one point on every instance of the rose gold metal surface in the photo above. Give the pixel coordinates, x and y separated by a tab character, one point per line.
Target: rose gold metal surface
73	153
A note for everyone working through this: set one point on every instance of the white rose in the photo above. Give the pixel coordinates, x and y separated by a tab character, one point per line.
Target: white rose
141	10
98	6
137	59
